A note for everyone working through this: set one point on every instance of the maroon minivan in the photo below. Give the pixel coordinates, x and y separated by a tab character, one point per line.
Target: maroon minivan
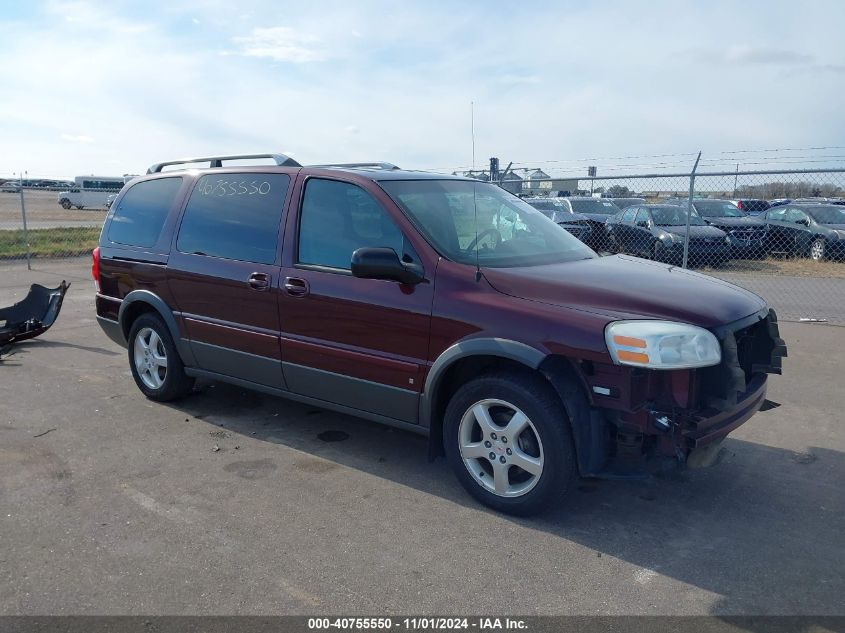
441	305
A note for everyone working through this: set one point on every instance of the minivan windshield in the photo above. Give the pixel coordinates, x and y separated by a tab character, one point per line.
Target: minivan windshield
718	209
471	222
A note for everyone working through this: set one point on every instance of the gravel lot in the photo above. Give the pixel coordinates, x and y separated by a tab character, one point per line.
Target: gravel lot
230	503
43	211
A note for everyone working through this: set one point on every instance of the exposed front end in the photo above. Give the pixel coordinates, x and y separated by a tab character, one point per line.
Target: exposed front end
649	416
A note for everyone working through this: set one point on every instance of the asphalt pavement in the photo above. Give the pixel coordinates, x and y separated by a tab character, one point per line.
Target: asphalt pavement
233	502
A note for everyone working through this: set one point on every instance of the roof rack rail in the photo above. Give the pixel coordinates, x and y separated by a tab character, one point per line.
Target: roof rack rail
217	161
385	166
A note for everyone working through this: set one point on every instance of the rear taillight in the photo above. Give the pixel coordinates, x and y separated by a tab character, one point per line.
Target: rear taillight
95	267
739	204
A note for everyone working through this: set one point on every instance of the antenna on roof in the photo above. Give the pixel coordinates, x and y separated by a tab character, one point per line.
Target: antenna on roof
472	130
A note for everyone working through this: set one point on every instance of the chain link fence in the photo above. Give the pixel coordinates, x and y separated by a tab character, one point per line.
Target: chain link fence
781	234
49	220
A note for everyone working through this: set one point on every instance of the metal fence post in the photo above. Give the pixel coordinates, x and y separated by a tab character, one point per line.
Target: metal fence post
25	232
689	209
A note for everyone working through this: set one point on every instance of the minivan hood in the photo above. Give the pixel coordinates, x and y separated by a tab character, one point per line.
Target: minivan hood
623	287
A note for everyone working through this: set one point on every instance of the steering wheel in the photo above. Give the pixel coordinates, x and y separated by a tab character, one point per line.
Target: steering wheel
484	233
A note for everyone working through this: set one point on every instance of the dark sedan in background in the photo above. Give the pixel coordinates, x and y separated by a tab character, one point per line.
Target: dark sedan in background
656	231
816	231
597	211
752	206
747	234
556	210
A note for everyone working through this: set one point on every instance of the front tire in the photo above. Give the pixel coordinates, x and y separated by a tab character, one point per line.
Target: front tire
66	204
154	360
817	249
507	438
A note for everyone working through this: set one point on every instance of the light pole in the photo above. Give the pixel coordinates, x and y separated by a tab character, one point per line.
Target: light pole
23	216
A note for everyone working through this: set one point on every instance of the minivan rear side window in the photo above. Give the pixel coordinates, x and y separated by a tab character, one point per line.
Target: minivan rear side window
140	216
234	216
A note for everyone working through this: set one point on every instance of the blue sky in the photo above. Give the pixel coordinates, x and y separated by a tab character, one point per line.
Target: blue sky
111	87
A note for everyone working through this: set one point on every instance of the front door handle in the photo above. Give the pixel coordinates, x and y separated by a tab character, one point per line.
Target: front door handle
259	281
296	286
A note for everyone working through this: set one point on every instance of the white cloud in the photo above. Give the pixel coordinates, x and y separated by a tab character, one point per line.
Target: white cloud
77	138
281	44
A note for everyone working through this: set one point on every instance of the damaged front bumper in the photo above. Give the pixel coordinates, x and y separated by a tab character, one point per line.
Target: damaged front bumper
683	416
33	316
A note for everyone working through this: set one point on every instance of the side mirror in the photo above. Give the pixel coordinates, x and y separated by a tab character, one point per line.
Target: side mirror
803	222
643	224
383	263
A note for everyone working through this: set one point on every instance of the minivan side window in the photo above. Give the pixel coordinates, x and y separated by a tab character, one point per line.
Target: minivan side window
140	216
336	219
234	216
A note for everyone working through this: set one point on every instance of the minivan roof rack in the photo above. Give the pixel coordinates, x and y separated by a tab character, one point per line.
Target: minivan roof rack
217	161
385	166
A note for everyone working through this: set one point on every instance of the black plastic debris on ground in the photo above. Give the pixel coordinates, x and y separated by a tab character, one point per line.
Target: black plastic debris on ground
31	317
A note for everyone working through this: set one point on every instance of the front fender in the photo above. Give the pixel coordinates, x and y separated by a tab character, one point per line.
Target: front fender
489	346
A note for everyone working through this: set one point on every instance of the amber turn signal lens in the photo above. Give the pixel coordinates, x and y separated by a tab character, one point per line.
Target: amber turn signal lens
632	357
629	341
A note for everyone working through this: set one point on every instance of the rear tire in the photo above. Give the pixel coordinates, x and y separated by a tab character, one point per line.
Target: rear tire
79	206
154	360
487	460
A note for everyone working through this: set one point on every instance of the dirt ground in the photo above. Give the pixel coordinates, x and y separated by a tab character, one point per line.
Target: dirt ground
42	206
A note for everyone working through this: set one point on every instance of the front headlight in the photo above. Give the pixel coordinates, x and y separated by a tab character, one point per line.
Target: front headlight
727	239
661	345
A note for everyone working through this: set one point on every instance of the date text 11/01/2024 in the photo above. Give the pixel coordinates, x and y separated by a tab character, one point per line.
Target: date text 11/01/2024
418	623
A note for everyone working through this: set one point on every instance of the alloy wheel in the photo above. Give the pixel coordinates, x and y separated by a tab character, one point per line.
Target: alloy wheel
500	448
150	358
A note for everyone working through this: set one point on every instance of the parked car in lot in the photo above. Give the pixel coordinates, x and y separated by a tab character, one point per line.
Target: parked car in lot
560	213
751	206
747	234
10	186
441	305
624	203
816	231
656	231
779	201
595	211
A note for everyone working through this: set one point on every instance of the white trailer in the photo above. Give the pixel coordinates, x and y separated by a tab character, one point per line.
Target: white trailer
91	191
